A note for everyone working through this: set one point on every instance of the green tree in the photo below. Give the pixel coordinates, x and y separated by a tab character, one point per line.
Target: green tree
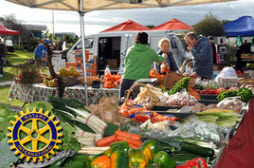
150	26
209	26
11	22
50	35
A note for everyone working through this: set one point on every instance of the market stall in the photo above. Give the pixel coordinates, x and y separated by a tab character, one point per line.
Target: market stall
158	122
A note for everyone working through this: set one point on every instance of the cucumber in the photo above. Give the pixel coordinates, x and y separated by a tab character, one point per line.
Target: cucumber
196	149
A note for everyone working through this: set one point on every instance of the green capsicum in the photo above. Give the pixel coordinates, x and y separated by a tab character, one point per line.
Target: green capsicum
154	165
123	146
164	160
150	148
119	159
136	158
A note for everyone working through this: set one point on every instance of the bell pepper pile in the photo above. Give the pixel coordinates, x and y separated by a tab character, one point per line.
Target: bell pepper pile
195	163
120	155
154	74
111	81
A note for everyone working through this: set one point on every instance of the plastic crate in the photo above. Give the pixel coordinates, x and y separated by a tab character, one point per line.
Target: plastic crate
227	82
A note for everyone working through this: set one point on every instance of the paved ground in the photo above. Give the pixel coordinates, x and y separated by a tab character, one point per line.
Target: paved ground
5	83
13	108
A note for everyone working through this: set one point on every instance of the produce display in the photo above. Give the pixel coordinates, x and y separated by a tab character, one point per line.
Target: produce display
186	131
111	81
221	117
154	74
149	96
244	93
63	72
106	109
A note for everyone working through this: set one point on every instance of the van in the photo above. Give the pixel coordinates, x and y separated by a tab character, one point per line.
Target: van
110	48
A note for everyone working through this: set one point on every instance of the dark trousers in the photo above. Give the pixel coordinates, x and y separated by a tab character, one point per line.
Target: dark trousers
125	85
1	66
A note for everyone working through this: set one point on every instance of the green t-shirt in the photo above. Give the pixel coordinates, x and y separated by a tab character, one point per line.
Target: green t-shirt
138	61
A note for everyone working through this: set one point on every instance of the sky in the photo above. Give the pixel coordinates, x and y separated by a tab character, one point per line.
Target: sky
96	21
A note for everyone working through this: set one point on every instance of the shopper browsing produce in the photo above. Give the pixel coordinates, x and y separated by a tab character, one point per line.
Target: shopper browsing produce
202	53
138	62
169	64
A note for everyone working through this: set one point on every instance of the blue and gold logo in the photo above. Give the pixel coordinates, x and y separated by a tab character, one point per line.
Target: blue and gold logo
34	135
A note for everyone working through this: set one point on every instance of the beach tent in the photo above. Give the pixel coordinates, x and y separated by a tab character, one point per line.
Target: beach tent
173	24
5	31
129	25
83	6
243	26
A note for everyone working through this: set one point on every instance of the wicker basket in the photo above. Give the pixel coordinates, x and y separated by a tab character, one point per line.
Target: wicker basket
150	106
70	81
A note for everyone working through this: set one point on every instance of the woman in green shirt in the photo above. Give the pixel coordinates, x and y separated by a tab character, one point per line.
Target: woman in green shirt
138	62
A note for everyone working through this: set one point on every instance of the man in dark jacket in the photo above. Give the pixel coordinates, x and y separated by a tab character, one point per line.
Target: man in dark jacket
202	53
2	56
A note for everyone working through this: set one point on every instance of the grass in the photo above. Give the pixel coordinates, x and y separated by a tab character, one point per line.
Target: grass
15	58
4	91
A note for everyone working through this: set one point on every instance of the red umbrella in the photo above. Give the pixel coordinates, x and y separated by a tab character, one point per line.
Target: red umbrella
5	31
173	24
129	25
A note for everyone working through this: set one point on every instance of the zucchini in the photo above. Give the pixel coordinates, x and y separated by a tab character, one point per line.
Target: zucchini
196	149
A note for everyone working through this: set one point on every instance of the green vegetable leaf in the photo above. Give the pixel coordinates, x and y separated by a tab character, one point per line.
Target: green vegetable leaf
7	156
39	105
180	85
68	140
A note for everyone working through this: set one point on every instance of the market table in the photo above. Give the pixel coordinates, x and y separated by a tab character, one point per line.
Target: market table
39	92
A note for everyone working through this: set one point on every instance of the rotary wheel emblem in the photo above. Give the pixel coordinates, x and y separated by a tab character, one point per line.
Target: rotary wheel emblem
34	135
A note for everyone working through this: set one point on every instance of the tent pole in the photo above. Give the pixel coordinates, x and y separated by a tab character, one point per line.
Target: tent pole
82	30
19	41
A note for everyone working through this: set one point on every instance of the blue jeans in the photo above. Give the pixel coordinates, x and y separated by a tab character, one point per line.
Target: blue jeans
1	66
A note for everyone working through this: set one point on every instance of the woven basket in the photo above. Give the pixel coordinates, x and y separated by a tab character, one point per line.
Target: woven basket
70	81
150	106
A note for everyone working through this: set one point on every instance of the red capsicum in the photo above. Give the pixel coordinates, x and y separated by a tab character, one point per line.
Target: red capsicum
203	162
194	163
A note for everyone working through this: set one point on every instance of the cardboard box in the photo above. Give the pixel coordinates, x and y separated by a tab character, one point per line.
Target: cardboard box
172	78
112	63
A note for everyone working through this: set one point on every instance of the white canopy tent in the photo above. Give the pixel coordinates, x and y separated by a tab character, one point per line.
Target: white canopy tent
83	6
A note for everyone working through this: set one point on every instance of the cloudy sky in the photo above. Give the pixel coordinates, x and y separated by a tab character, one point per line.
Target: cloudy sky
97	21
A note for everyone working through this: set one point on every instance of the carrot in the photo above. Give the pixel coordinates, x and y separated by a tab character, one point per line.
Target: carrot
130	141
128	135
106	141
133	146
194	93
